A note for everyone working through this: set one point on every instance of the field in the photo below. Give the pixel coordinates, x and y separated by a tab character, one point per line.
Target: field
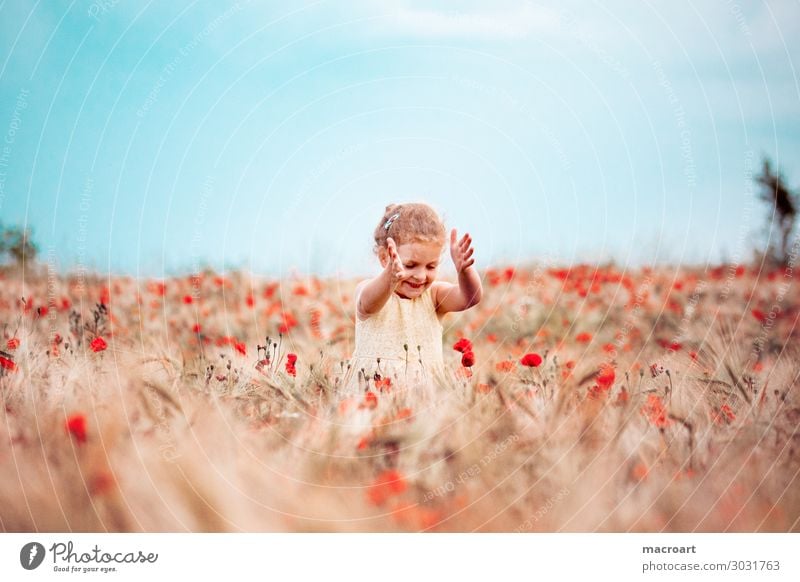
661	399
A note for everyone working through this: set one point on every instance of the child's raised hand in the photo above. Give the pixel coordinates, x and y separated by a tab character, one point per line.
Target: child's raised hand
461	252
394	267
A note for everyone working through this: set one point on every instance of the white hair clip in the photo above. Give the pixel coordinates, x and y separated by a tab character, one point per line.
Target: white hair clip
390	220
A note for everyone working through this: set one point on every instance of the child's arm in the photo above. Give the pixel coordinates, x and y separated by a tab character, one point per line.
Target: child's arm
469	290
376	292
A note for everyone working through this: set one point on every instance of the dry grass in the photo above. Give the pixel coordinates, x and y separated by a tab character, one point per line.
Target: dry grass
697	429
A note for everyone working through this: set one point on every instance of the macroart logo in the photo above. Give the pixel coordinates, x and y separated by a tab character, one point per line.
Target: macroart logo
31	555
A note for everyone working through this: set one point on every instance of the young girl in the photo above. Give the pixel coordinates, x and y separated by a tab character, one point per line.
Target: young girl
398	312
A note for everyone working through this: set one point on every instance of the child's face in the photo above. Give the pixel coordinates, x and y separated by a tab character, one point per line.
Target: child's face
421	263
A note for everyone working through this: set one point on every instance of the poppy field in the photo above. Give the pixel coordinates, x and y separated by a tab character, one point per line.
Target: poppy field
582	398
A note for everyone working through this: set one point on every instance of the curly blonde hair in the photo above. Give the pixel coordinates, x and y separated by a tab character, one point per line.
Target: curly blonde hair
408	223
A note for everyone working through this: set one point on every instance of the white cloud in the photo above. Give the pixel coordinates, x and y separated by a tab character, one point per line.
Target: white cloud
510	22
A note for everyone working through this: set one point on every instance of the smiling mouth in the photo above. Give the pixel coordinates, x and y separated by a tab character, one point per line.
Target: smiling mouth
412	285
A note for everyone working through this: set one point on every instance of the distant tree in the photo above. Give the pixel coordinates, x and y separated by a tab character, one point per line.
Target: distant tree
783	209
16	244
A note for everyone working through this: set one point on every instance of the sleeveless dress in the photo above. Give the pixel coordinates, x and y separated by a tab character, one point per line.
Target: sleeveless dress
401	322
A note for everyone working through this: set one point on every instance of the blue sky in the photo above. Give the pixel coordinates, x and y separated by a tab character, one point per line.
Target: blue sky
152	139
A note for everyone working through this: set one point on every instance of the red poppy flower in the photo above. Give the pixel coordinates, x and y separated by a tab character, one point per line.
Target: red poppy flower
668	345
383	384
639	472
300	290
288	321
531	360
504	366
363	443
468	359
390	482
370	400
463	345
583	337
98	344
316	319
241	348
291	359
76	426
605	378
13	343
728	412
7	364
157	288
724	415
656	412
101	483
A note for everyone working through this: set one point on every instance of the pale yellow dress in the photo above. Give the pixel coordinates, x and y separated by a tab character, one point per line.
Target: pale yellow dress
401	322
